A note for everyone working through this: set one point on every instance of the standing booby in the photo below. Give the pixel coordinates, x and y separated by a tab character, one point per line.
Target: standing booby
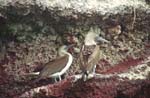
59	66
88	65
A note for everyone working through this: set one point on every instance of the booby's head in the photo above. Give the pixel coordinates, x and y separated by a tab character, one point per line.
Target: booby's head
63	49
93	38
90	38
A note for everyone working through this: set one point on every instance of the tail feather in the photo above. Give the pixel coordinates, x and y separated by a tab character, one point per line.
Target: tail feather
32	74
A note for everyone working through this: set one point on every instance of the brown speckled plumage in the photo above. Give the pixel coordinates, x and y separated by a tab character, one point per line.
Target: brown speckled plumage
52	67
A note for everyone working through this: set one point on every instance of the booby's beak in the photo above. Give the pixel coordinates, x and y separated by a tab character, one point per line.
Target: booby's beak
70	46
100	39
67	47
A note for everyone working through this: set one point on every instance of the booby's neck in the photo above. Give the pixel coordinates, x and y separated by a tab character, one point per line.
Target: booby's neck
70	59
62	53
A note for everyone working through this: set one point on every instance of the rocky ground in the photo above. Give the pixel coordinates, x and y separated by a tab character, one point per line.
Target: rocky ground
31	31
125	59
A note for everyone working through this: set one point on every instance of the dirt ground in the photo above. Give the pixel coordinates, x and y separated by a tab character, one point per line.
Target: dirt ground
126	51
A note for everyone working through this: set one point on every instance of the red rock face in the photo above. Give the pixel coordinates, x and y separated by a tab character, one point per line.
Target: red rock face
97	87
122	66
94	88
2	75
113	87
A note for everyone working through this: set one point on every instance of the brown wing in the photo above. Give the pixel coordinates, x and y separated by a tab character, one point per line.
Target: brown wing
55	66
82	62
93	59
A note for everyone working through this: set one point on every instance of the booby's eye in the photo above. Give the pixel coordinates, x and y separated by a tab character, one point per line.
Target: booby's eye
100	34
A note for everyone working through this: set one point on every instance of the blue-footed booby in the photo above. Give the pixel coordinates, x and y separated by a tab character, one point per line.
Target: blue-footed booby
88	65
58	67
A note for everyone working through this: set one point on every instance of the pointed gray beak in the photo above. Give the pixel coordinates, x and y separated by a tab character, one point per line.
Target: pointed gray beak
100	39
69	46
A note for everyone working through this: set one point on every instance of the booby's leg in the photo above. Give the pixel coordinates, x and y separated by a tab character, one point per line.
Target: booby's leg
55	79
93	71
85	75
92	74
77	77
59	77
